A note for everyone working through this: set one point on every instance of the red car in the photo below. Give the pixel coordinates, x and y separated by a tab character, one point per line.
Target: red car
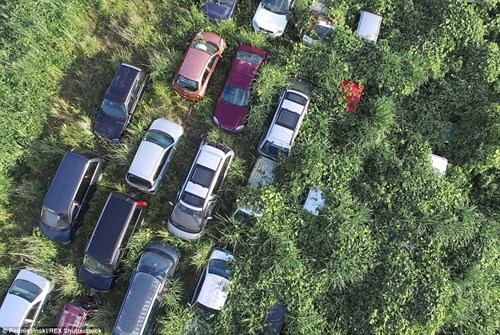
202	56
233	104
352	93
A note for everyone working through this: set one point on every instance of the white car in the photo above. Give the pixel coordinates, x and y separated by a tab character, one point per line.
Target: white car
24	302
211	291
154	155
198	194
270	17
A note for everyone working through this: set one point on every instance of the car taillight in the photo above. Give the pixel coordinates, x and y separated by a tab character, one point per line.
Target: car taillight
141	203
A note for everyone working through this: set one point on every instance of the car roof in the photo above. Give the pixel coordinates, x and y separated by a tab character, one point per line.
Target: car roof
72	316
65	182
242	73
195	61
278	133
122	83
111	227
369	25
137	304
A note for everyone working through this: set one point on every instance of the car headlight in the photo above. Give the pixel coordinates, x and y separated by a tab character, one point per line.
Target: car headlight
239	128
279	32
215	120
255	26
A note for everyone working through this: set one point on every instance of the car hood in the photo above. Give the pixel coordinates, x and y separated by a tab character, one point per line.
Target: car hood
230	116
217	11
108	127
269	20
13	311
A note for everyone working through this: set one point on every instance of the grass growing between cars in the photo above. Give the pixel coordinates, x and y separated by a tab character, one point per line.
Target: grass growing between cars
397	248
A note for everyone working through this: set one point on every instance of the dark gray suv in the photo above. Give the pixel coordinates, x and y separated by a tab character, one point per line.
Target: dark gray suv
149	280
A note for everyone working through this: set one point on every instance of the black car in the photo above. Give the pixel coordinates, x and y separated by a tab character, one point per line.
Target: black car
68	195
121	101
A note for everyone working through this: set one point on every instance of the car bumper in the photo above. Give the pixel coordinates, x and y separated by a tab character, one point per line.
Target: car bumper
59	236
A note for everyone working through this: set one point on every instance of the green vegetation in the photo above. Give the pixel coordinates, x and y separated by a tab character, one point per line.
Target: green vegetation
398	250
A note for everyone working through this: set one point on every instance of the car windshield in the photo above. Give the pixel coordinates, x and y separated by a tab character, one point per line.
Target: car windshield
236	96
206	46
159	138
287	119
219	267
187	84
225	2
25	289
203	311
54	219
113	109
297	98
186	219
323	30
136	180
249	57
154	264
94	265
202	175
273	150
192	200
276	6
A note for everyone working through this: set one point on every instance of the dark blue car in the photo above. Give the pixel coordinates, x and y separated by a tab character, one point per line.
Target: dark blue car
121	215
120	102
68	195
219	10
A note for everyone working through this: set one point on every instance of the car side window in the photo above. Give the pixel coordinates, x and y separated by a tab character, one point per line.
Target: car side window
198	286
222	174
135	88
85	184
212	62
30	318
130	104
205	76
89	173
162	164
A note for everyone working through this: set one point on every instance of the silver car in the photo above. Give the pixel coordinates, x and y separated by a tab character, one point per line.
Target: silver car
24	302
154	155
198	194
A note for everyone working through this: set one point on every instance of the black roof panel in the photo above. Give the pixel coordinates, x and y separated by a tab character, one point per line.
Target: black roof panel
65	182
121	84
110	228
137	304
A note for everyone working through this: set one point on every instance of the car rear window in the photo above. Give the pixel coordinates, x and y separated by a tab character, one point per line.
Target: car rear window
297	98
219	267
139	181
25	289
287	119
187	84
159	138
202	175
206	46
249	57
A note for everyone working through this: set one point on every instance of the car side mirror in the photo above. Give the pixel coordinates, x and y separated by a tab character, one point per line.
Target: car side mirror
189	305
171	203
209	218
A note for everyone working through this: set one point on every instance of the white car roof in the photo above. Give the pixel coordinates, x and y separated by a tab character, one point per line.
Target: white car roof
210	157
282	135
440	164
369	26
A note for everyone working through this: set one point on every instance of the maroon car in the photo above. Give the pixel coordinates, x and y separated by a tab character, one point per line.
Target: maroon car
233	104
73	316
